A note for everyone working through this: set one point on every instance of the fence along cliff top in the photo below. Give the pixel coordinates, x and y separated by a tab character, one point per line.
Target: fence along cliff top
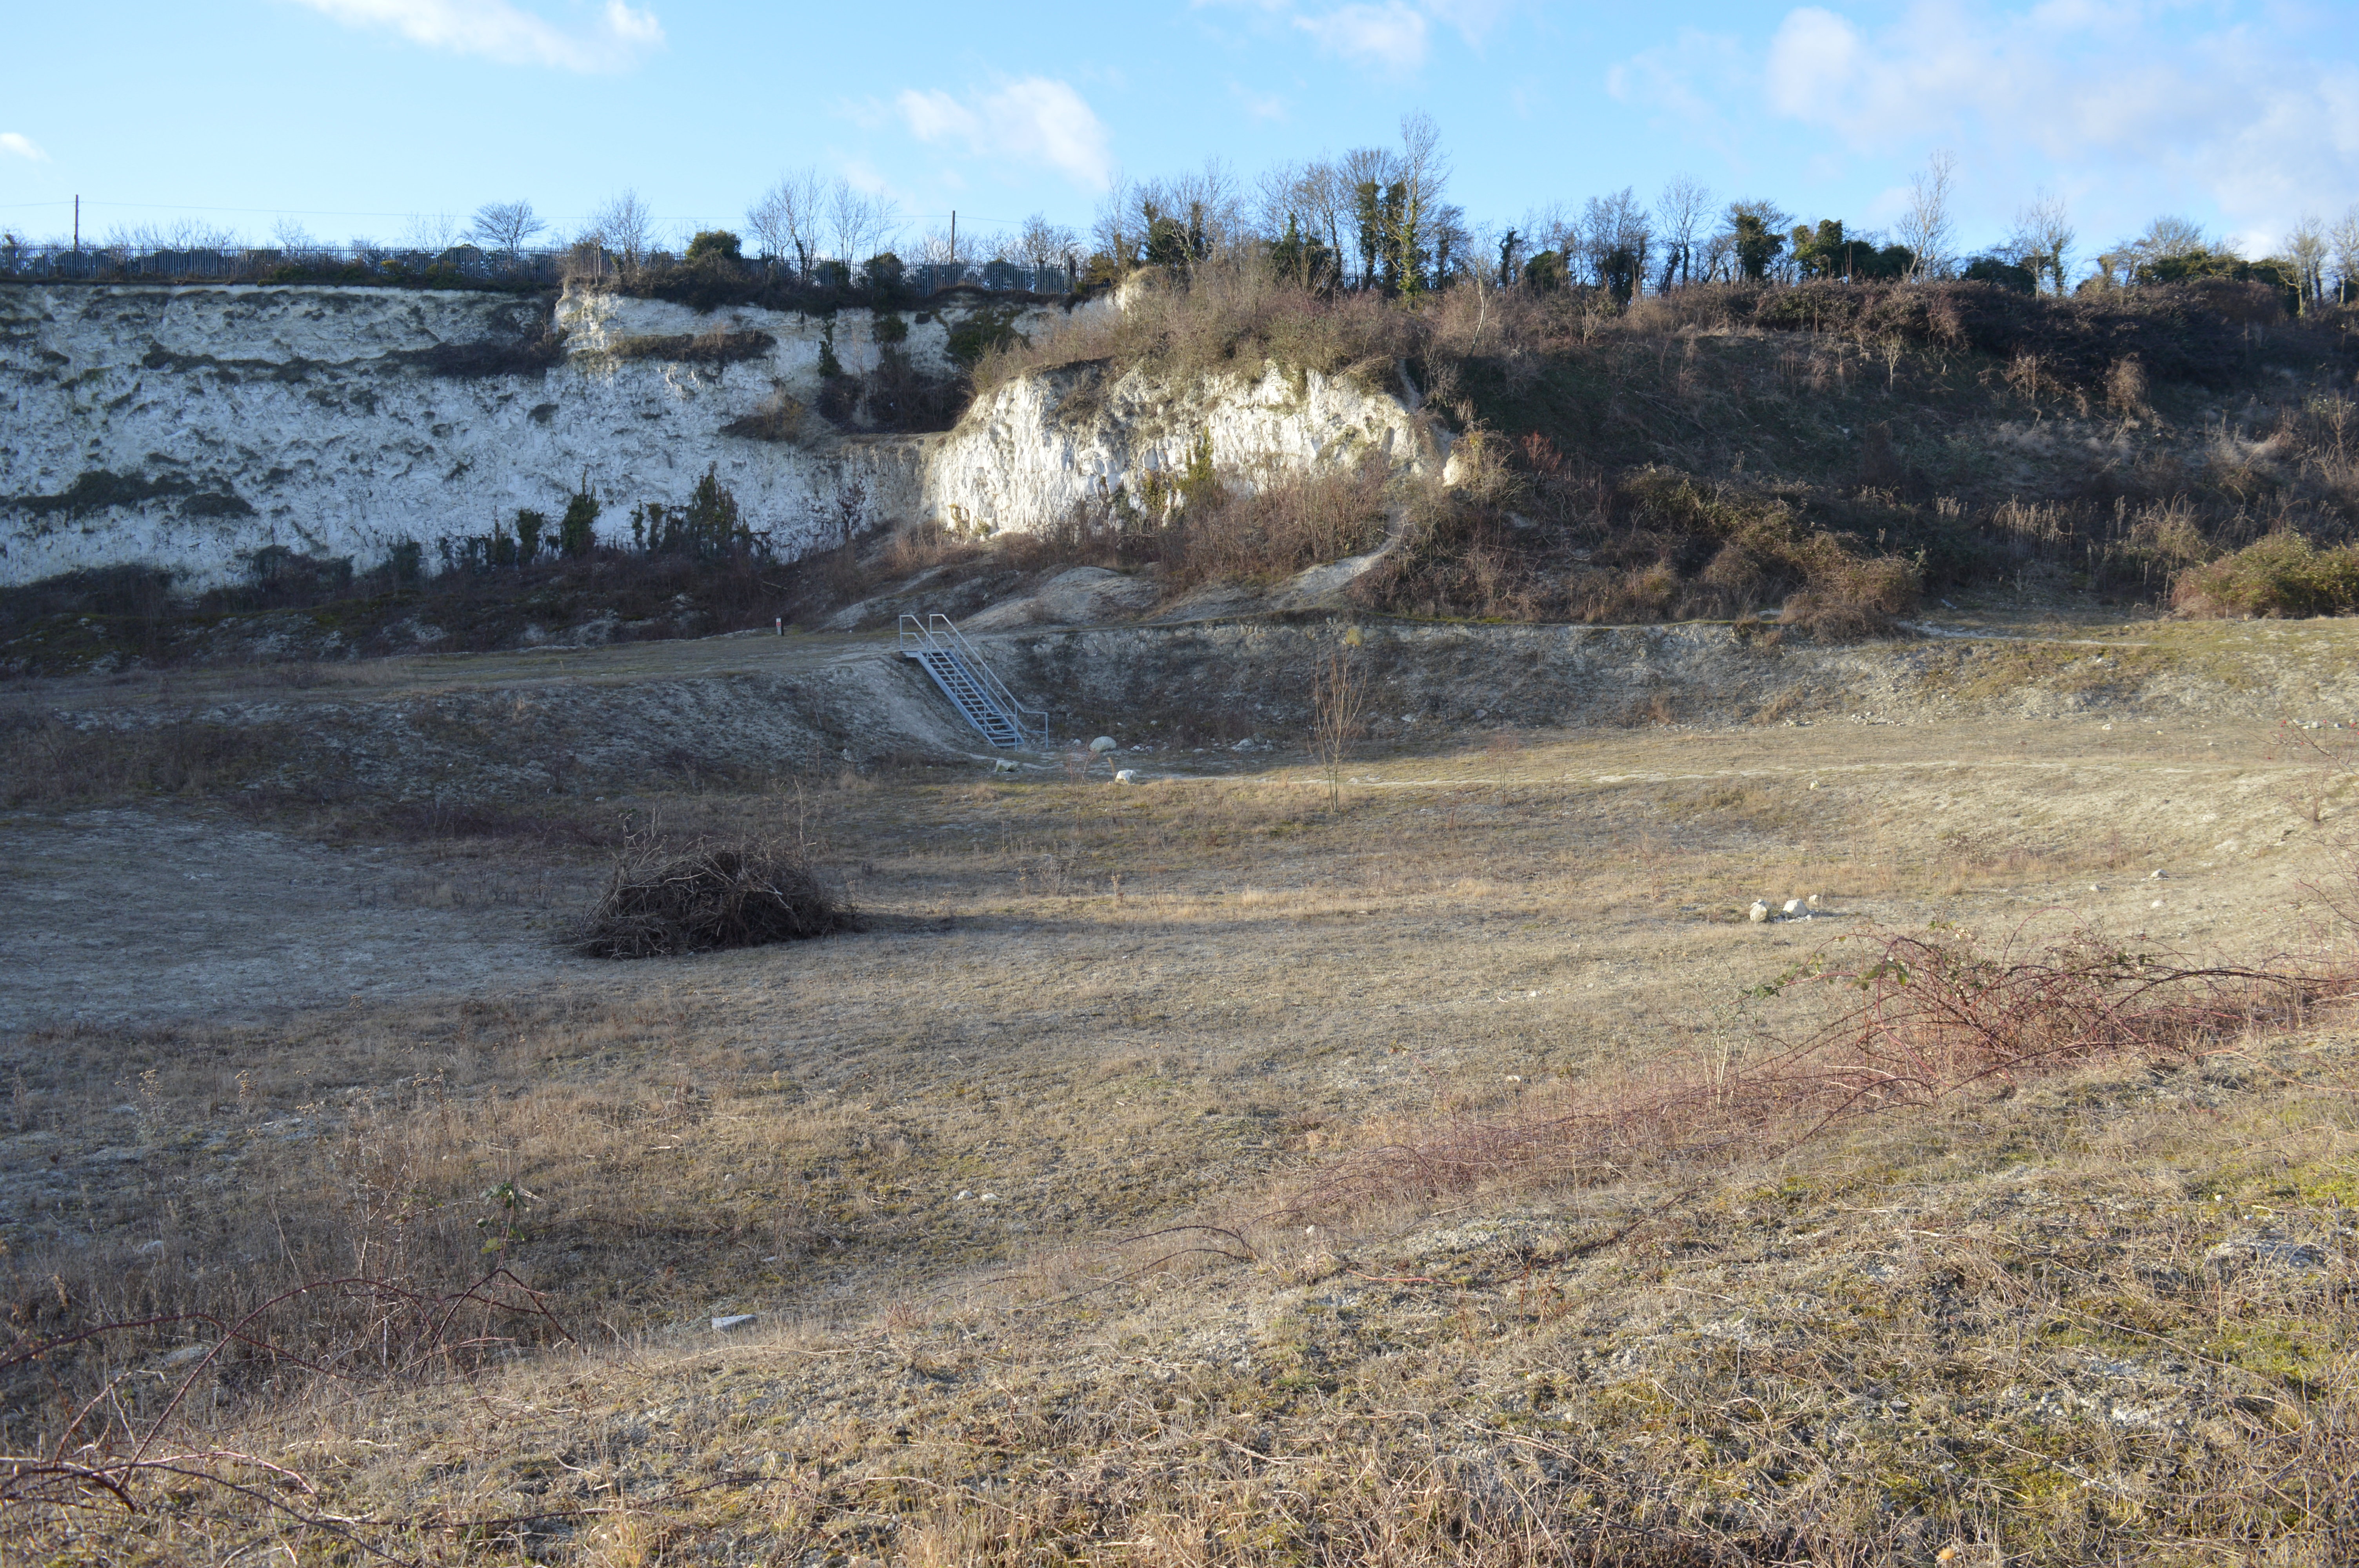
471	267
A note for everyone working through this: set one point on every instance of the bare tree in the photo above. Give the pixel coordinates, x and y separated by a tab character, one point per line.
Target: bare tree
1041	244
1325	197
1684	208
1927	228
1275	198
1311	195
786	221
1548	229
505	225
435	231
2344	238
180	235
766	225
1720	256
1424	178
2042	241
1115	229
2306	247
624	227
2164	238
940	248
1338	705
1614	233
294	240
858	222
1208	206
2171	236
1178	222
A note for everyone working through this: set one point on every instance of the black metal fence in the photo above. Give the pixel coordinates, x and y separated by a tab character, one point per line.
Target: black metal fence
464	266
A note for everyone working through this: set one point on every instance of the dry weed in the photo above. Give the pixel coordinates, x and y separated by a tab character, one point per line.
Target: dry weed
1938	1016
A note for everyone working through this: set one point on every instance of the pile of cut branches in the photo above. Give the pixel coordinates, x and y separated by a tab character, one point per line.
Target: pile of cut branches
661	901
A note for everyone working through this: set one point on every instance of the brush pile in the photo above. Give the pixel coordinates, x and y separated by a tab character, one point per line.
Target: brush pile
661	901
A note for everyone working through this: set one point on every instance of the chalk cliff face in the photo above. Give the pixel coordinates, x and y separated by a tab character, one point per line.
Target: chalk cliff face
1040	447
187	426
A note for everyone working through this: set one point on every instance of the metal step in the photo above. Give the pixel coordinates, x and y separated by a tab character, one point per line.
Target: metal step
967	696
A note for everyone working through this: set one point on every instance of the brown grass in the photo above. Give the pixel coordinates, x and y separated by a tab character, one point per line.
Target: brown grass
47	762
2009	1323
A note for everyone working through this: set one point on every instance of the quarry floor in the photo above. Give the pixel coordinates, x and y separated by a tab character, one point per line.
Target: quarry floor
1080	1012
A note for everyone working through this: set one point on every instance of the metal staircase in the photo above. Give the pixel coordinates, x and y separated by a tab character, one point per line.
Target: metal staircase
945	654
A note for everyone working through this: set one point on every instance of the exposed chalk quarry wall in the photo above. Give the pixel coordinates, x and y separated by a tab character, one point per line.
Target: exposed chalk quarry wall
1038	446
186	427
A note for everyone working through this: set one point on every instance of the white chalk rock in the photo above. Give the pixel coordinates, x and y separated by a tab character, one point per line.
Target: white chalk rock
1758	913
1128	775
1003	765
1103	744
1811	902
734	1320
1793	906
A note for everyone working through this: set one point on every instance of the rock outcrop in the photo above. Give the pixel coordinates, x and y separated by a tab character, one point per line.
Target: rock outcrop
1035	450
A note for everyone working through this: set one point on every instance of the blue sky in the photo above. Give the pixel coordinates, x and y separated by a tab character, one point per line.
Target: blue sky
347	115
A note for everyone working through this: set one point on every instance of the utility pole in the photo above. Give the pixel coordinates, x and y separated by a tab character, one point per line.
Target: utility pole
954	240
77	225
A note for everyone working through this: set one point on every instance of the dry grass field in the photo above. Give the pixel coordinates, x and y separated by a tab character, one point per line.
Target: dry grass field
1197	1170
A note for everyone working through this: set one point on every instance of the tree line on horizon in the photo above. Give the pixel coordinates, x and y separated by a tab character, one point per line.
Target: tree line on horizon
1372	219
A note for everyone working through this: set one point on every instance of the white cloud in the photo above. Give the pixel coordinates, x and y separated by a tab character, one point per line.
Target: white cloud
1036	120
1388	36
2129	101
1689	81
1391	35
1258	106
22	147
2254	123
1473	18
497	30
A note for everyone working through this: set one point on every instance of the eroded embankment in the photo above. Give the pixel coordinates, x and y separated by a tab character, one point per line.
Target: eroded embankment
1423	681
518	726
508	729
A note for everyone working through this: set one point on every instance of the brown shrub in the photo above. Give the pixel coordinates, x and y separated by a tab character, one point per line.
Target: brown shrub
1849	597
1274	525
2125	385
1937	1016
2197	333
1233	318
712	348
779	418
2280	573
